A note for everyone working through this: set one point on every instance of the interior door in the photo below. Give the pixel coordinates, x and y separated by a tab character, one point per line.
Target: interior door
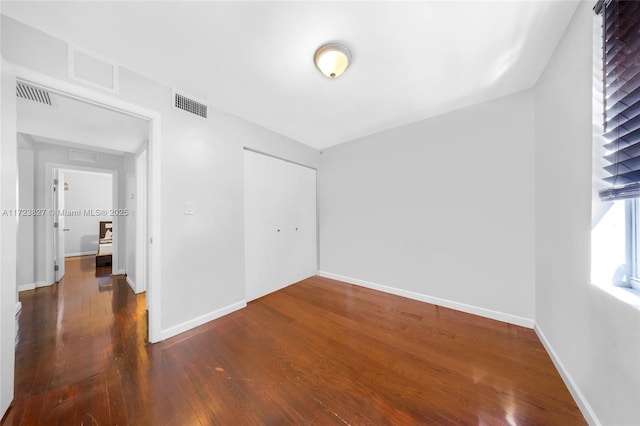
302	257
265	228
58	224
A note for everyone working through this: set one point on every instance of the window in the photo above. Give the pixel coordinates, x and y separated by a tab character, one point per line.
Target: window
633	242
621	66
619	188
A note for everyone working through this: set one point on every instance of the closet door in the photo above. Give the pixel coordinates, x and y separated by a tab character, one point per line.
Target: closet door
302	255
280	224
265	241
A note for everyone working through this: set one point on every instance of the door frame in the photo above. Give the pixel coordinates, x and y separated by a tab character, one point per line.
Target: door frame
141	168
50	247
65	88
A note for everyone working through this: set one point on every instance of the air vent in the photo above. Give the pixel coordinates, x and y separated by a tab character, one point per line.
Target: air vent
83	156
189	105
88	68
33	94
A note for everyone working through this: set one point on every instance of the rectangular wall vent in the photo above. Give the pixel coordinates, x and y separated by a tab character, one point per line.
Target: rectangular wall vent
33	94
83	156
189	105
88	68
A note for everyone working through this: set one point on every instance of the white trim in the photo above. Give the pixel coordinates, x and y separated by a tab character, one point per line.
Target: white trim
120	272
131	284
193	323
18	307
26	287
141	213
154	209
463	307
266	154
82	253
154	280
32	286
578	396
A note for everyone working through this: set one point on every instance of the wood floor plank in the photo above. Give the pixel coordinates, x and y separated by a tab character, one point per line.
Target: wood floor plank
319	352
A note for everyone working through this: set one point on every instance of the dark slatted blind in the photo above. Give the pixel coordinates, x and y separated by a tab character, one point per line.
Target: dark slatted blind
621	79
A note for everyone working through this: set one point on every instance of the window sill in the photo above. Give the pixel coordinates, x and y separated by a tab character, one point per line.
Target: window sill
628	295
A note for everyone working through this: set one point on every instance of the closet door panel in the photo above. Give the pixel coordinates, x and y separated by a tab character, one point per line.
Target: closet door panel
265	194
302	224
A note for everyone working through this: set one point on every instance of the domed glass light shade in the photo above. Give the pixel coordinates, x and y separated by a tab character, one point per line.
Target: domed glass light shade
332	59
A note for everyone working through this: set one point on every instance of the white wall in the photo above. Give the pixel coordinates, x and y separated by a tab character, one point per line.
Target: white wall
26	200
86	190
202	265
594	337
8	234
440	208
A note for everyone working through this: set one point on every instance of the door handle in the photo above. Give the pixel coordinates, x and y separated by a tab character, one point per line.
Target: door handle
65	229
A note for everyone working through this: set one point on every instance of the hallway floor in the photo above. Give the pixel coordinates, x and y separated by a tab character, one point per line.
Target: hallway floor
75	340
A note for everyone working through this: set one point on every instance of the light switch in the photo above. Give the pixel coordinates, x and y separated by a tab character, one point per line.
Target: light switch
188	208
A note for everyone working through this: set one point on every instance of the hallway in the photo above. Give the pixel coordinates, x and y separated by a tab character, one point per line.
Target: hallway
75	340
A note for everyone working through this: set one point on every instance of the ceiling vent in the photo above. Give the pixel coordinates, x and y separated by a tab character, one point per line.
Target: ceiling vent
33	94
88	68
189	105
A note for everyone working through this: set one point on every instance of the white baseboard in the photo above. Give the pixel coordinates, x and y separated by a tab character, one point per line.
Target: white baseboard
82	253
188	325
121	272
475	310
31	286
578	396
26	287
132	285
18	307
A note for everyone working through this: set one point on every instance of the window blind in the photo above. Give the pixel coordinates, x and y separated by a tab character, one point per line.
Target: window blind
621	84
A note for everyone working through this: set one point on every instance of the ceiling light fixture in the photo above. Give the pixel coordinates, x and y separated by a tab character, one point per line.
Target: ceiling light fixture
332	59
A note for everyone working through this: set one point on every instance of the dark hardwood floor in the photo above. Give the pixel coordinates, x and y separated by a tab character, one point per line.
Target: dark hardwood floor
319	352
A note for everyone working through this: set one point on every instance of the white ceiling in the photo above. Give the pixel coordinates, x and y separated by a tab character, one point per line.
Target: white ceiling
76	122
411	60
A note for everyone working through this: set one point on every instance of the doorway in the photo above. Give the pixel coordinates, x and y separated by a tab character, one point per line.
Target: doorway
138	194
84	204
